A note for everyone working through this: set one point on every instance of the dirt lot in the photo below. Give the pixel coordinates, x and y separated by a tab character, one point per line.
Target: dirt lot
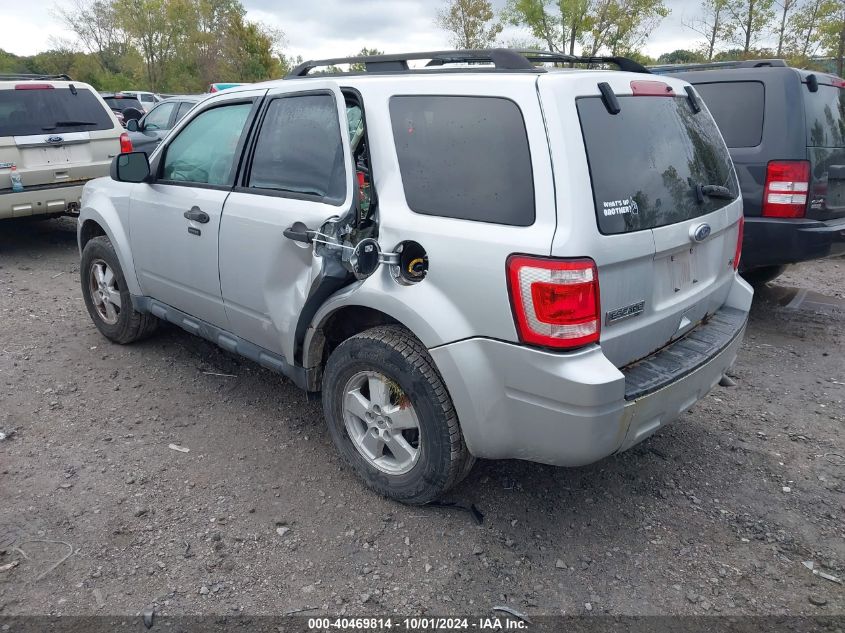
713	515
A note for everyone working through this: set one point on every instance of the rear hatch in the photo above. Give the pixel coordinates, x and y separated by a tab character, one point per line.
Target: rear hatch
54	135
825	120
629	196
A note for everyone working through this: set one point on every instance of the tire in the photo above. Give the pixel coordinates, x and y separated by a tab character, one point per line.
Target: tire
416	391
761	276
120	324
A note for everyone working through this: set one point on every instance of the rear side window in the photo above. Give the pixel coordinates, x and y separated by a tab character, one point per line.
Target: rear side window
825	116
647	161
737	107
464	157
300	150
184	108
51	111
147	98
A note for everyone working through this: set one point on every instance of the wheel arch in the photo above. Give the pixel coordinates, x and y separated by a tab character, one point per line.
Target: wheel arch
104	220
331	328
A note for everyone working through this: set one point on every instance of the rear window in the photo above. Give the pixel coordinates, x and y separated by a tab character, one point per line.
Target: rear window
737	107
121	103
51	111
464	157
825	116
646	162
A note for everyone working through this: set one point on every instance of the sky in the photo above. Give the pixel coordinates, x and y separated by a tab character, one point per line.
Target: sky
326	28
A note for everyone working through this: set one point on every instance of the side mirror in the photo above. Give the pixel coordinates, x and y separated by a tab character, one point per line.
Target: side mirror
130	167
132	125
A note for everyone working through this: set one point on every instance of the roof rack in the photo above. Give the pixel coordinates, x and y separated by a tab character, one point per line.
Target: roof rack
29	77
743	63
502	59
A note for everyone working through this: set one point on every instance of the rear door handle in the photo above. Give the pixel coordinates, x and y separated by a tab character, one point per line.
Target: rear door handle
197	215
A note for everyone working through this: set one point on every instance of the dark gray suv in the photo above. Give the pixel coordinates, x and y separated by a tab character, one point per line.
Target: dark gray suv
785	129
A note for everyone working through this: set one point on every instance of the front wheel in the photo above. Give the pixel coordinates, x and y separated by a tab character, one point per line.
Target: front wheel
391	418
106	296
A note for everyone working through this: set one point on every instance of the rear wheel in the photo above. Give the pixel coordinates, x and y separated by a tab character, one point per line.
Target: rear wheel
106	296
391	418
762	276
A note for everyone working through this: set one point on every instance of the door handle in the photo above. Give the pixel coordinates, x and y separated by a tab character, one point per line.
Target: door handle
197	215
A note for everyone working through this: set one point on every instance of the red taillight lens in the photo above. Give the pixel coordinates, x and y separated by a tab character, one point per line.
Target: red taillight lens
555	302
740	235
125	143
31	86
787	184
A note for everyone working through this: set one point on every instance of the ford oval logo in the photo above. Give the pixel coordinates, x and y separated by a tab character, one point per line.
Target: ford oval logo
55	139
700	233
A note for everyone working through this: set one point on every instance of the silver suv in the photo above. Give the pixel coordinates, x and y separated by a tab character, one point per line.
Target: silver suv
478	257
55	134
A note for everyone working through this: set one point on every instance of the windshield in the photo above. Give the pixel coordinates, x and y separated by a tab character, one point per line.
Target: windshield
825	116
51	111
656	162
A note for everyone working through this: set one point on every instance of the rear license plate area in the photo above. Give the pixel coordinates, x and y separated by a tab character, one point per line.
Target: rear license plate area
681	269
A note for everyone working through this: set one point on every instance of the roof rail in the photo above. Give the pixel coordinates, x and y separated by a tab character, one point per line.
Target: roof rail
741	63
29	77
502	59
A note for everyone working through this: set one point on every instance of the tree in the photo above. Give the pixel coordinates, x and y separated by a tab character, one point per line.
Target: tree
712	24
749	21
680	56
154	26
622	26
560	24
97	29
614	26
806	29
833	35
364	52
470	23
786	9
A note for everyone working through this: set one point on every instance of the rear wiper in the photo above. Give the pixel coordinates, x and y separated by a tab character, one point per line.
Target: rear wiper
68	124
713	191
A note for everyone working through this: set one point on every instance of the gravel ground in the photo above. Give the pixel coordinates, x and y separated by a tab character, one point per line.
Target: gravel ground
714	515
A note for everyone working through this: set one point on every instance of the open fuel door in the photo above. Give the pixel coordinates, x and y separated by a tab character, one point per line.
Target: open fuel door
294	218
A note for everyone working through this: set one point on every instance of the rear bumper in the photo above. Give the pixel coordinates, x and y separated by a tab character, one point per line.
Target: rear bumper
40	200
516	402
774	242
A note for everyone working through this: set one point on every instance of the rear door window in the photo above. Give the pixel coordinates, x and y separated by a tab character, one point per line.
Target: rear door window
464	157
737	107
299	151
825	116
184	108
51	111
647	161
122	103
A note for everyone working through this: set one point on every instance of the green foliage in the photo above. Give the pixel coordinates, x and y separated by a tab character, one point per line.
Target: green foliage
470	23
176	46
681	56
597	26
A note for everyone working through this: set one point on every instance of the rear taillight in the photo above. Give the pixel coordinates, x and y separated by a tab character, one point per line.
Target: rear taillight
125	143
739	236
555	302
787	184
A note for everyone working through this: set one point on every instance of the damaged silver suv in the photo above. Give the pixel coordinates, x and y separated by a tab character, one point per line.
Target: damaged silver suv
471	254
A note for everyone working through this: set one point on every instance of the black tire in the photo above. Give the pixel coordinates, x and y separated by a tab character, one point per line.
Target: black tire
131	325
761	276
396	354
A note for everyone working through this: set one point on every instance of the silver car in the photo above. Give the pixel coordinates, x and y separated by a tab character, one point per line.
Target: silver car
479	257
